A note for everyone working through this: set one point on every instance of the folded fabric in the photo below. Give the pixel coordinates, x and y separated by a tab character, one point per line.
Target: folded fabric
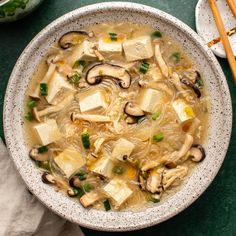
21	214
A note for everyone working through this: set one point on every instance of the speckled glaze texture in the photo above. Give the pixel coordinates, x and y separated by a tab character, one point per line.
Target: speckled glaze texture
206	27
216	143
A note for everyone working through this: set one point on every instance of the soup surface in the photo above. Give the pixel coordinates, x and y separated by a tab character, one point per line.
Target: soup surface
115	116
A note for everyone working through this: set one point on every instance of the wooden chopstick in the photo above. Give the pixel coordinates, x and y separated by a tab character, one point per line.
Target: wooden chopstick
217	40
232	6
223	36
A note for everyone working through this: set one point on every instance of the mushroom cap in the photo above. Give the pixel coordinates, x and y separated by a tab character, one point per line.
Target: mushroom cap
197	153
133	109
75	182
48	178
36	156
71	192
130	120
191	85
97	71
71	38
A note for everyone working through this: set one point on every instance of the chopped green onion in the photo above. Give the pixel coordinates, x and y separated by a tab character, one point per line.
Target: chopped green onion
154	200
107	205
85	139
144	67
176	57
158	137
156	115
80	192
113	36
74	79
118	170
43	165
82	175
156	34
87	187
199	83
31	104
43	89
28	116
80	63
42	149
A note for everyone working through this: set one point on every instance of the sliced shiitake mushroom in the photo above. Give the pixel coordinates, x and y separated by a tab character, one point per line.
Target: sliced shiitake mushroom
133	109
75	182
192	86
72	192
197	153
48	178
71	38
37	156
97	71
130	120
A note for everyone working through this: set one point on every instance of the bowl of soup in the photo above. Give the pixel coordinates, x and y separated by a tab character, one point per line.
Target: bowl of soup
117	112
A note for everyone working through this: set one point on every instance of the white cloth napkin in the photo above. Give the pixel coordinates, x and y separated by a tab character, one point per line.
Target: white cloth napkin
21	214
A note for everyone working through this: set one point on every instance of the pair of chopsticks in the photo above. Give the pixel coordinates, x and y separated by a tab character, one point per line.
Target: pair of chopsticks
223	34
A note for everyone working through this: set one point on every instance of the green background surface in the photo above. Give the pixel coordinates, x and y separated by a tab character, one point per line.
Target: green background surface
214	213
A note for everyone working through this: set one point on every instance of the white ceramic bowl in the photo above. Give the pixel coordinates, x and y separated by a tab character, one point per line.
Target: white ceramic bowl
219	129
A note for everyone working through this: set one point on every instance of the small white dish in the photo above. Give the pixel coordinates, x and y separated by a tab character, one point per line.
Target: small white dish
206	27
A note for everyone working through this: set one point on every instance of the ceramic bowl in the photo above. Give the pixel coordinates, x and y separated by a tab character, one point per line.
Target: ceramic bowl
219	129
12	10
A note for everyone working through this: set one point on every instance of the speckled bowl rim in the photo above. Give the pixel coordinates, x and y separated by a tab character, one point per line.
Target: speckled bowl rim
126	221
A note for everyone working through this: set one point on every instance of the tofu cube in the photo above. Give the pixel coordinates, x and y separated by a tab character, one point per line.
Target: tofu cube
138	48
149	99
47	132
109	47
83	51
69	161
89	199
90	101
103	167
118	191
122	149
183	110
56	84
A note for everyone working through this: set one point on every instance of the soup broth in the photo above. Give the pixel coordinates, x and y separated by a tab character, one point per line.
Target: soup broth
115	116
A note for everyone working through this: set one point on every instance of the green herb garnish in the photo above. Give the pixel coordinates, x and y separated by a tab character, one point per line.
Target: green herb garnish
28	116
82	175
74	79
31	104
113	36
156	115
107	205
158	137
118	170
144	67
87	187
43	89
43	165
176	57
85	139
42	149
154	200
80	192
80	63
199	83
156	34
